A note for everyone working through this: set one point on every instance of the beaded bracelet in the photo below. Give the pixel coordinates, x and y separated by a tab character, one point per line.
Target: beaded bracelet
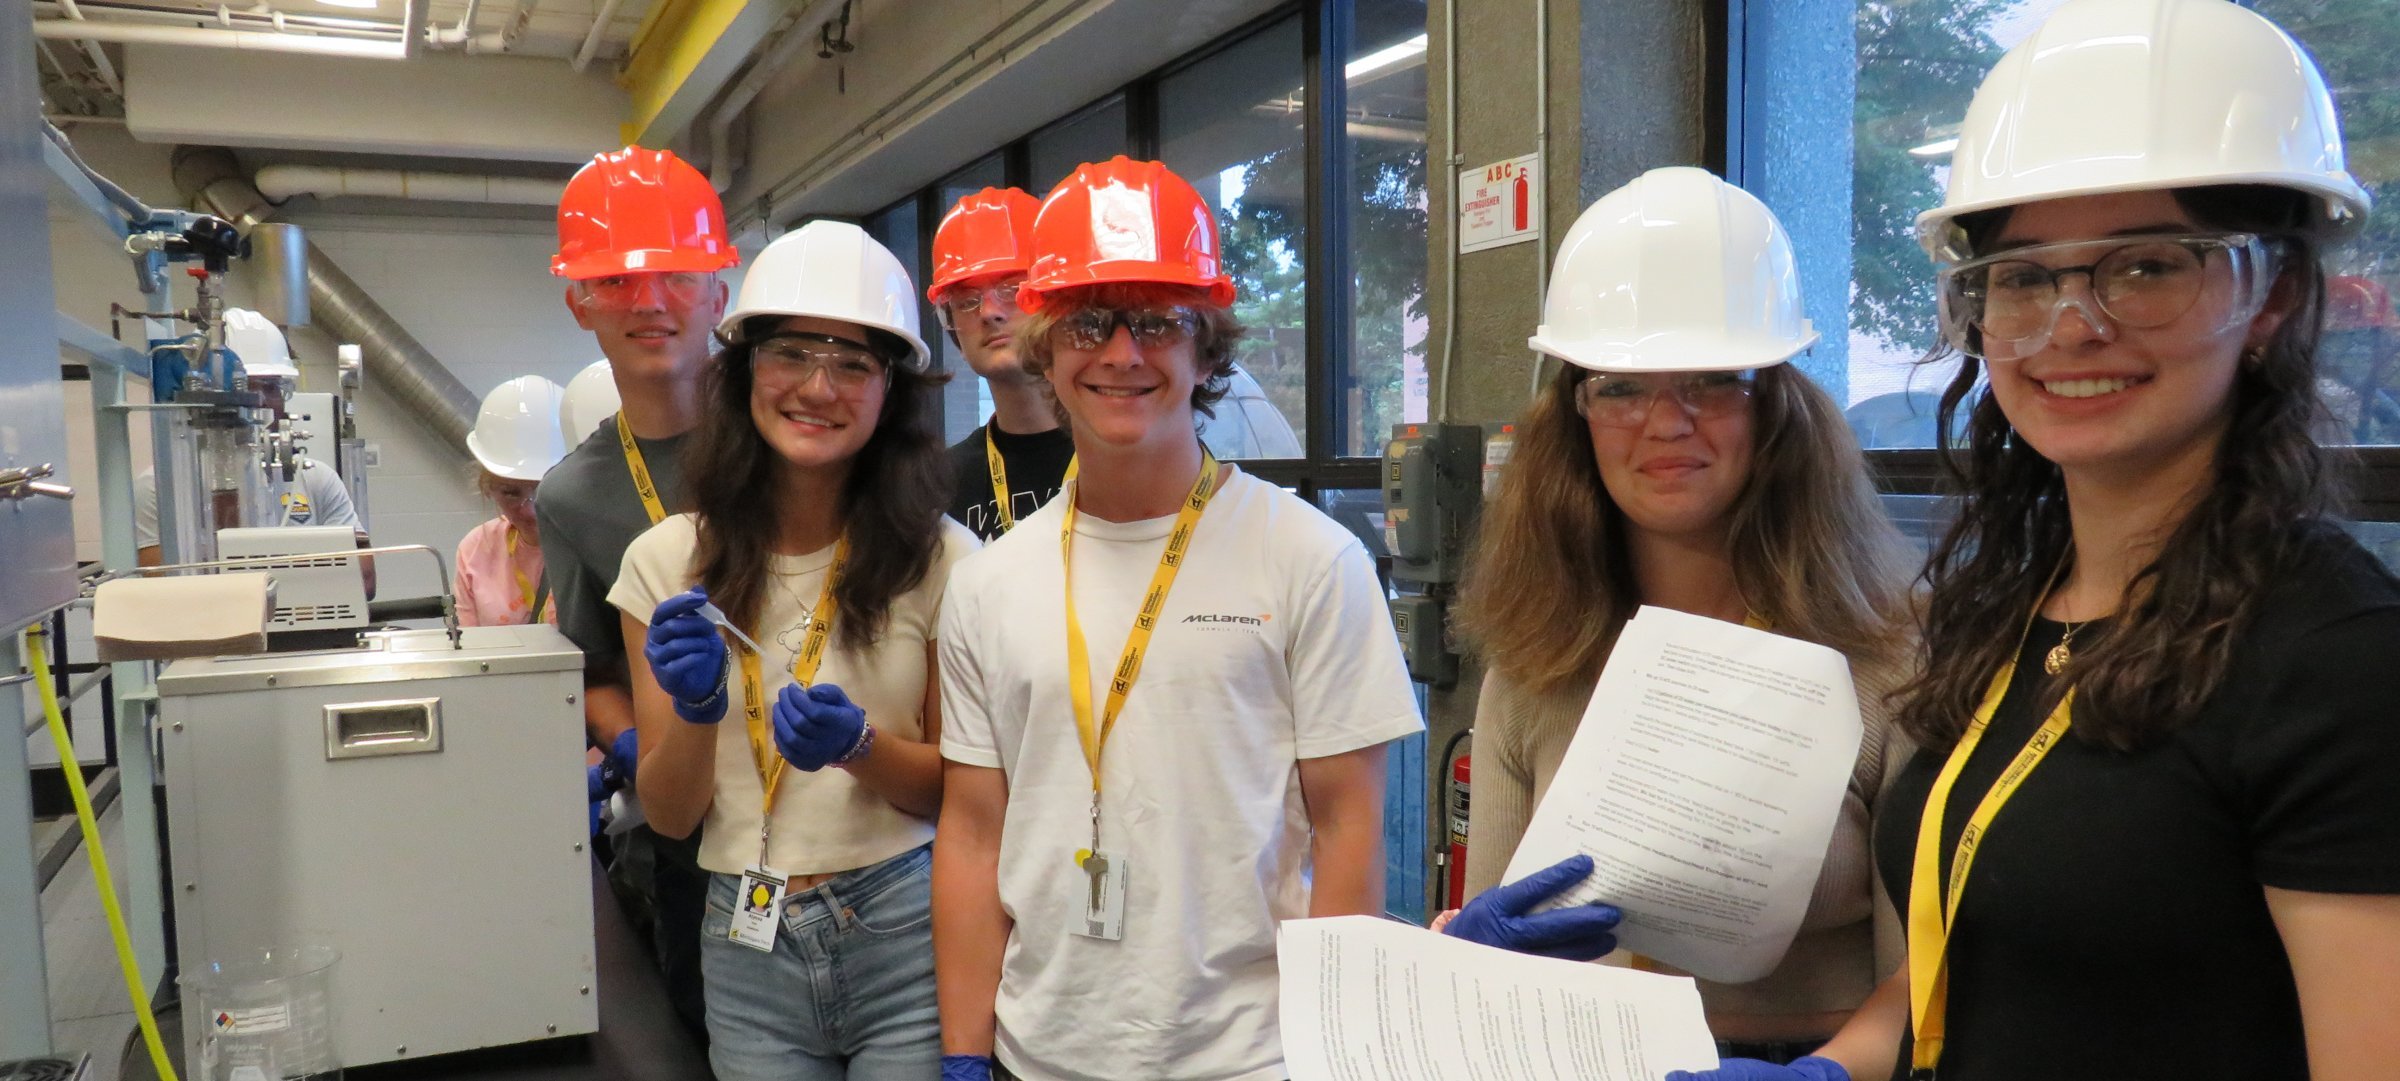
858	750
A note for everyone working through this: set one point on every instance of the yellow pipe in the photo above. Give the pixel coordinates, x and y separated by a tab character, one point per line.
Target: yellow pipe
106	883
667	49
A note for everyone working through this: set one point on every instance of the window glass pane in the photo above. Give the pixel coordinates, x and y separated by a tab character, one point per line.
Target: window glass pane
2359	363
1232	125
1096	135
1359	510
966	401
1385	383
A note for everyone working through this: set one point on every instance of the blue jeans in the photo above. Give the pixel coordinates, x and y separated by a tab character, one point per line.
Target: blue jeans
847	995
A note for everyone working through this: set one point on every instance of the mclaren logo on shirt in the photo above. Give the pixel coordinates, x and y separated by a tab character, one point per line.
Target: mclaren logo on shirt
1229	618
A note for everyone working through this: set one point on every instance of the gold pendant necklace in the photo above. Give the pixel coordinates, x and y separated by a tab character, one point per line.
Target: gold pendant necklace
2056	660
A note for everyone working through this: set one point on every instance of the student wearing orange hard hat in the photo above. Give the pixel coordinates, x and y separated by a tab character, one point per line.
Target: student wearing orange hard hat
1189	748
641	237
1006	469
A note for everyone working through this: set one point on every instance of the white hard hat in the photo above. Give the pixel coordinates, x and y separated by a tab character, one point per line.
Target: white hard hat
258	345
1676	271
516	434
831	270
591	397
2128	95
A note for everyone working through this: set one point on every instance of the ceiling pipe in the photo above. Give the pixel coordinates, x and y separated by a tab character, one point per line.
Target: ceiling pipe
591	38
135	34
721	166
394	358
413	14
92	51
281	182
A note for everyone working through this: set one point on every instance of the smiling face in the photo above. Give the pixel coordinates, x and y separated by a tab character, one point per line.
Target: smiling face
817	412
987	336
650	326
1123	393
2103	397
1678	471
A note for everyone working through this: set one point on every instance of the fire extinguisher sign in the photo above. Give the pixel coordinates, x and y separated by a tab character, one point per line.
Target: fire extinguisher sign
1500	203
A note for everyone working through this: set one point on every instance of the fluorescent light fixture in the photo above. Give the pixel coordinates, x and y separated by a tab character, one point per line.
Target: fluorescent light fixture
1934	149
1375	62
367	5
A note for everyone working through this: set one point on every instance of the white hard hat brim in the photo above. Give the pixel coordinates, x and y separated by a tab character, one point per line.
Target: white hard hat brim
506	470
1672	351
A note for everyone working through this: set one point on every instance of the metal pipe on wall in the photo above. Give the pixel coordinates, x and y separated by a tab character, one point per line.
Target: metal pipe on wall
139	34
280	182
425	388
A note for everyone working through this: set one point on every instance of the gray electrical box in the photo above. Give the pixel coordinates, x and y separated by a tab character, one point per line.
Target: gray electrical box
1432	488
1418	619
37	527
419	808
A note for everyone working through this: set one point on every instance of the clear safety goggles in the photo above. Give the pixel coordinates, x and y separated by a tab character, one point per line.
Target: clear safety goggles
781	362
1624	400
2009	303
967	302
624	292
1152	328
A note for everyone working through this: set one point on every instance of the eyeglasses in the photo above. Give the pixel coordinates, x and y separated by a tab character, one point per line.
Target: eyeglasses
784	361
1620	400
619	292
512	495
966	302
2011	301
1152	328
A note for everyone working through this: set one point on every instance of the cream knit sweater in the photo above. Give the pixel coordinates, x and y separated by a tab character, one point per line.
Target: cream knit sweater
1849	940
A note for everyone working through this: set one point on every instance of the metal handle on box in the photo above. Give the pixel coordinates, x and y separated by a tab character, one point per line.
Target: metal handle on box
389	726
25	481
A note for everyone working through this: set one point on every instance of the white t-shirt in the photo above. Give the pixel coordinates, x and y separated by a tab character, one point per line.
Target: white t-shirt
314	496
1274	646
824	821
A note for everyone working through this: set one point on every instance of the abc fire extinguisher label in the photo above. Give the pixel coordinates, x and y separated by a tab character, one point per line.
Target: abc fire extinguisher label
1500	203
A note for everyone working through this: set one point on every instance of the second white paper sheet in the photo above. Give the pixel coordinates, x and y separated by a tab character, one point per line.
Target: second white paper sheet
1704	780
1372	1000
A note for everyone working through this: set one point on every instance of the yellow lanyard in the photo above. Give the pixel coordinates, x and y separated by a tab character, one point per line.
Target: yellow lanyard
804	670
640	471
524	584
1932	912
1129	664
991	458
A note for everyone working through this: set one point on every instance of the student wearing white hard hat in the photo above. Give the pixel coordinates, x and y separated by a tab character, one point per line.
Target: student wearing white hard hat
591	400
517	438
803	752
1679	460
2159	680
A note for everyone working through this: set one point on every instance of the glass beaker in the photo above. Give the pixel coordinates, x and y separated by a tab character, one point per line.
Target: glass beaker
265	1016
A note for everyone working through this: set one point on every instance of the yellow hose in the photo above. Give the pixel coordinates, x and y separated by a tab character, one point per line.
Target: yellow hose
134	987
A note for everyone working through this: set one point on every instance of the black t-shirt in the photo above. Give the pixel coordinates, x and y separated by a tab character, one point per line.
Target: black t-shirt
1037	469
2114	924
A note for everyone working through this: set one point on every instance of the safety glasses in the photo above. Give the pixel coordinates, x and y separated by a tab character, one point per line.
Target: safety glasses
1152	328
621	292
780	362
968	302
2006	305
1623	400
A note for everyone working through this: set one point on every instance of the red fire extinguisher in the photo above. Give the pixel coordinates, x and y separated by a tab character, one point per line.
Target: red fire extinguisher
1524	202
1458	833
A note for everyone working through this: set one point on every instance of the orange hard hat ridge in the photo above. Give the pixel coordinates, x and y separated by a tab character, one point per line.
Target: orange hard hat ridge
640	210
1127	221
987	234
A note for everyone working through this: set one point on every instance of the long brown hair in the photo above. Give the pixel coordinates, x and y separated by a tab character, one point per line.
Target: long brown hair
891	504
1551	584
2167	651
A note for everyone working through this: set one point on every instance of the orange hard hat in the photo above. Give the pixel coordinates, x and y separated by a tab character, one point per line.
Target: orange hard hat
2353	302
639	210
1125	221
988	233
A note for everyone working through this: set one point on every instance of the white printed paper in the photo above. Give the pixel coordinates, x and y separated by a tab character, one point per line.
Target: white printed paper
1704	780
1366	999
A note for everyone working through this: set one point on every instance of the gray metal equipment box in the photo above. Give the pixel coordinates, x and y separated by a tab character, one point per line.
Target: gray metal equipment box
417	807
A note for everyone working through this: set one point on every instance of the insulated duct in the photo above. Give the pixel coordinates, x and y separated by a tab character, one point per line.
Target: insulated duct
394	358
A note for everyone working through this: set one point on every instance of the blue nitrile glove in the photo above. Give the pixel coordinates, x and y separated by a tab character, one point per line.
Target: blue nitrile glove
1811	1068
1500	916
687	658
623	757
817	726
596	787
966	1068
